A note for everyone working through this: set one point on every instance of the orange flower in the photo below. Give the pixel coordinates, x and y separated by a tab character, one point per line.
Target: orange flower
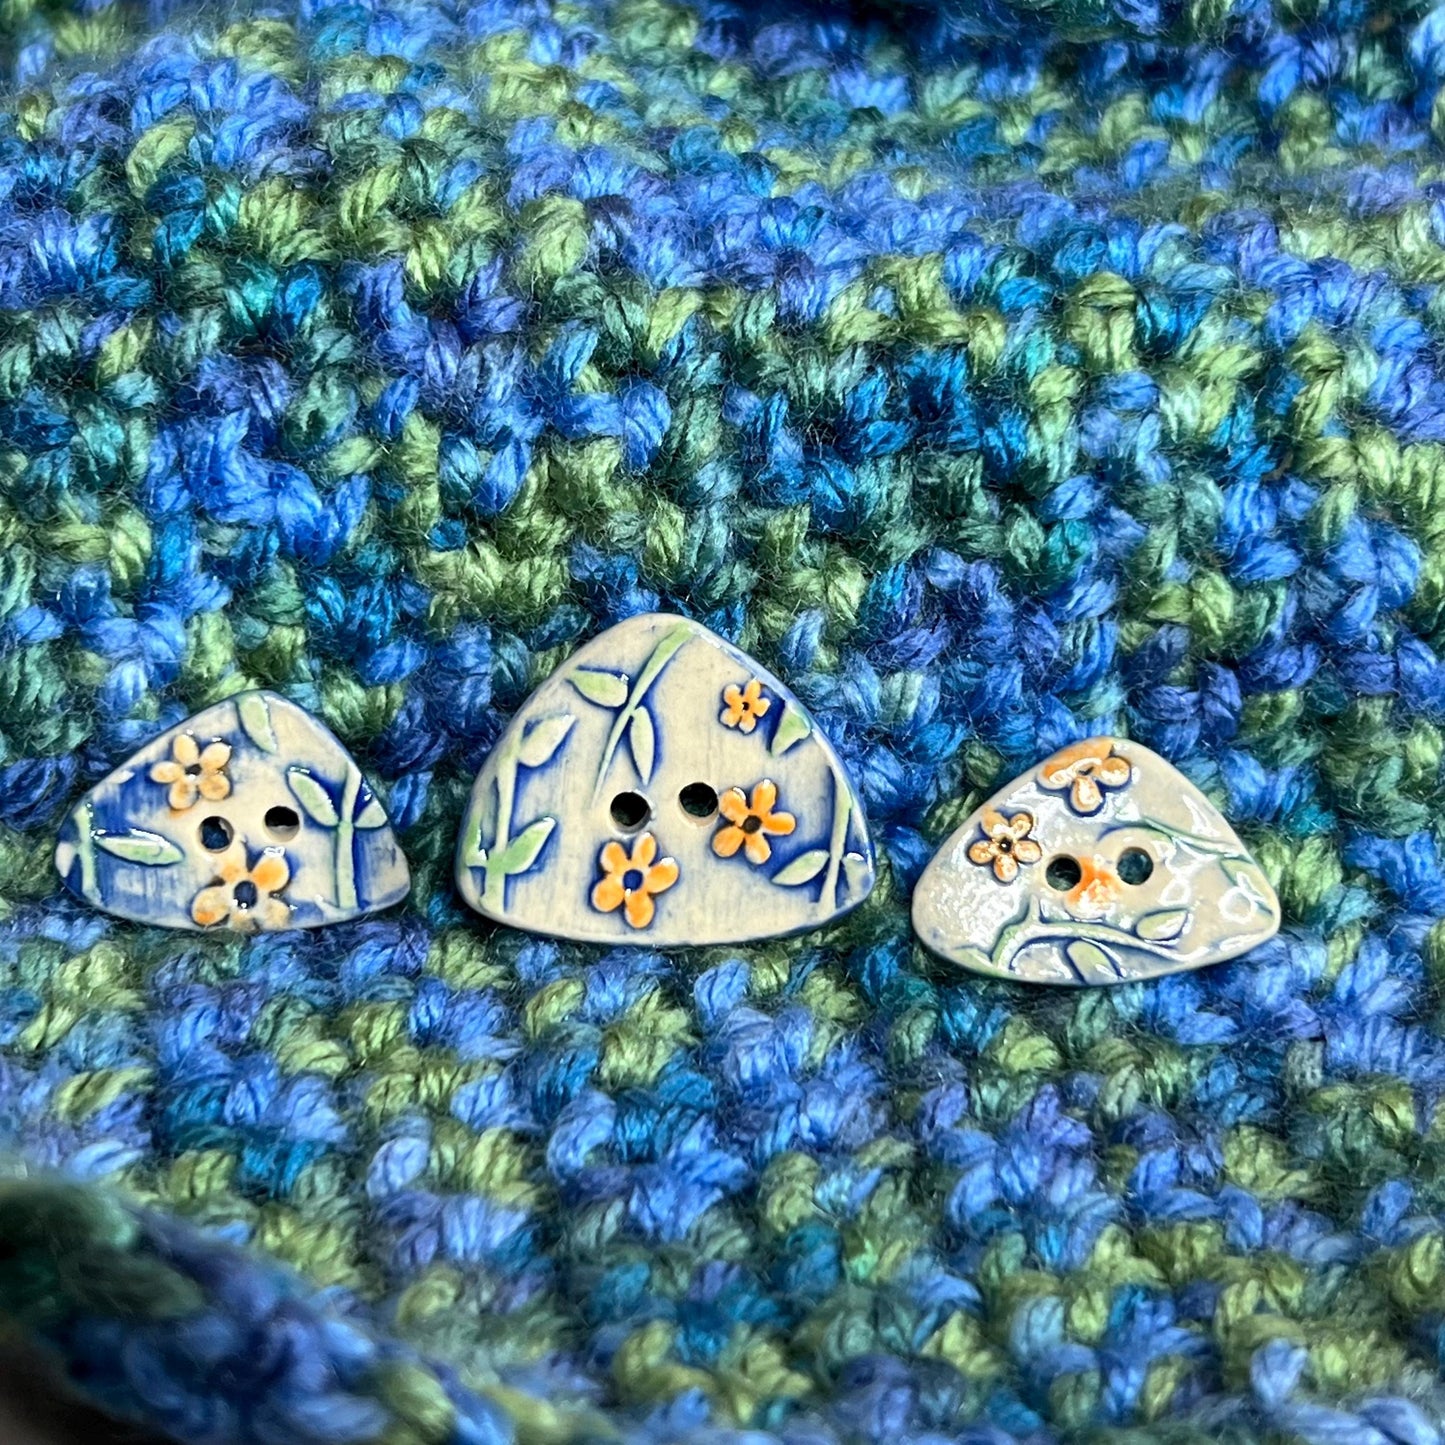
194	772
631	882
749	823
1085	769
744	706
1006	844
244	897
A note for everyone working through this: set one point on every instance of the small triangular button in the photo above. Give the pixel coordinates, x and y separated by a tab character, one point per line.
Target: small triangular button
250	815
1102	865
663	789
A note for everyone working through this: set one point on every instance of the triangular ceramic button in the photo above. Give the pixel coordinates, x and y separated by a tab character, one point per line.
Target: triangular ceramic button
250	815
1102	865
661	788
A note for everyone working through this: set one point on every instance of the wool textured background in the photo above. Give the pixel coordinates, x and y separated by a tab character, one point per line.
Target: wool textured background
998	373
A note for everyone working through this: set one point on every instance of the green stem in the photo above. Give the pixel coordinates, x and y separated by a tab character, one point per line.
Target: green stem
1019	923
842	809
494	887
85	851
345	833
472	847
1219	849
1029	928
662	654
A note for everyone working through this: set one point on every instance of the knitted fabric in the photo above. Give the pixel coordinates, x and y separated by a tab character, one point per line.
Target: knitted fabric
998	374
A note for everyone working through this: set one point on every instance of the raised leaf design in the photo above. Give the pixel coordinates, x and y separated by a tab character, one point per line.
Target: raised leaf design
522	851
606	689
255	719
373	815
1160	927
643	741
543	739
649	737
1093	962
313	797
803	868
857	872
975	958
670	644
1246	876
138	846
793	726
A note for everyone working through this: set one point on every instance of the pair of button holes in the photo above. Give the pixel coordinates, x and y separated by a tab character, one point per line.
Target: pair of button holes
631	810
281	823
1064	872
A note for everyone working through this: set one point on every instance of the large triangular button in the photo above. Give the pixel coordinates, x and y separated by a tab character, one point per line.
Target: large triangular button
661	788
1102	865
250	816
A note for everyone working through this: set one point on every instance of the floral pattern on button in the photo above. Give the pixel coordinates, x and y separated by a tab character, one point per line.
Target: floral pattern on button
194	772
244	897
249	777
631	881
750	821
743	706
1085	770
1005	844
657	724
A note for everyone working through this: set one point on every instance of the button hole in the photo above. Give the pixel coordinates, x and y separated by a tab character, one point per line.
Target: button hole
630	811
698	801
1063	873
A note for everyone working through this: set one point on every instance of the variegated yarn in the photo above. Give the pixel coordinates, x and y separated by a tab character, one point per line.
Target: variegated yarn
997	373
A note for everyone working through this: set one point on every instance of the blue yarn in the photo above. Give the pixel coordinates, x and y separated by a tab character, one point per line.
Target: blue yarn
1046	370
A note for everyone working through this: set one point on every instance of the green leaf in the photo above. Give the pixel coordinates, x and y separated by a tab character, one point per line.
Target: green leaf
543	739
1247	877
313	797
521	852
606	689
857	871
643	741
138	846
1162	926
373	815
974	958
803	868
474	854
792	728
1094	964
256	720
1242	872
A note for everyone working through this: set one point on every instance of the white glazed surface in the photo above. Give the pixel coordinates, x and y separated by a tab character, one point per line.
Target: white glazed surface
129	849
1205	900
566	755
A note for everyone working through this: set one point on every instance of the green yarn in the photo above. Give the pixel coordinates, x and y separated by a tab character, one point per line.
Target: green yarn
995	386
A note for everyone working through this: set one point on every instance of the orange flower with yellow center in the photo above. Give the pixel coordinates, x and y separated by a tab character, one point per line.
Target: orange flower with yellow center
194	772
1086	769
749	822
244	898
743	706
631	881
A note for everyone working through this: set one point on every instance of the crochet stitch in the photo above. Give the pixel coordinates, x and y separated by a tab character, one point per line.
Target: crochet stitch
999	374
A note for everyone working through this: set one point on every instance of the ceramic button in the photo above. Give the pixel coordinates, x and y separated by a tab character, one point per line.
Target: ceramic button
250	816
1102	865
661	788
